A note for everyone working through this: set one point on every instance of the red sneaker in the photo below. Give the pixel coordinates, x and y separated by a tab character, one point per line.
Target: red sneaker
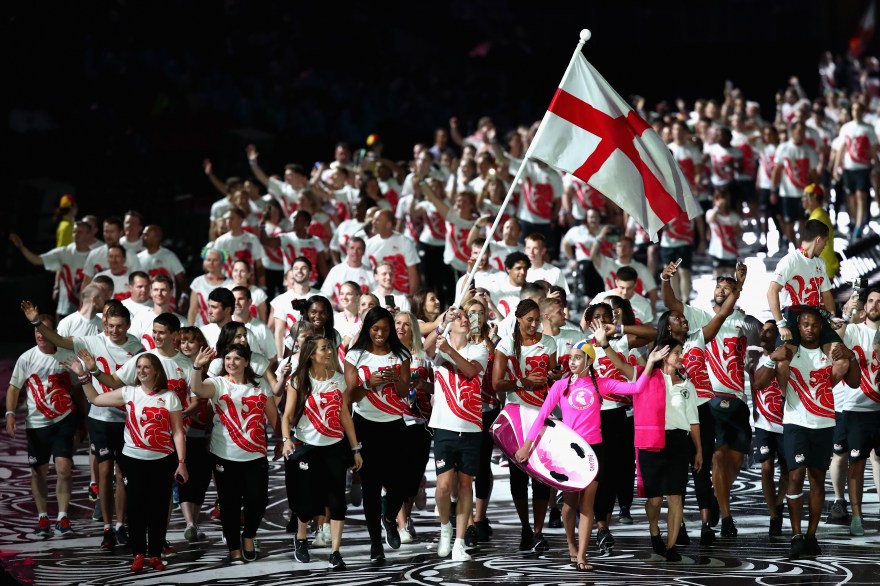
156	564
138	564
44	529
215	512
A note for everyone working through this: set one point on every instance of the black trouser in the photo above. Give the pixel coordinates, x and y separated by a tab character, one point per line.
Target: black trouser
703	478
241	484
437	275
618	435
418	442
198	464
519	485
148	492
382	467
319	480
483	481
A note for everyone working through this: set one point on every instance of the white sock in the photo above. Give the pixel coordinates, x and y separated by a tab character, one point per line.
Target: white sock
61	515
118	526
447	525
459	543
106	527
41	515
326	528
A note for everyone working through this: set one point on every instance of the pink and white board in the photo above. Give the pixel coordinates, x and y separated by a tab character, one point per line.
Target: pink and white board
560	458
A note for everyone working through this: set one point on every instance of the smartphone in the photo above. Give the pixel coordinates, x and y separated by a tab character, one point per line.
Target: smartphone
389	301
678	262
474	321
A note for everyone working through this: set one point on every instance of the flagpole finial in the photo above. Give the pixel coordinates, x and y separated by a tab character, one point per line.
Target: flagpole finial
585	35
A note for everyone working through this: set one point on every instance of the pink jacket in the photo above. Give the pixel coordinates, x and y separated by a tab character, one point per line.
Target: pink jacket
649	406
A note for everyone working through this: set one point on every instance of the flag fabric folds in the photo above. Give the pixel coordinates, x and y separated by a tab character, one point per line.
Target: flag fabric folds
592	133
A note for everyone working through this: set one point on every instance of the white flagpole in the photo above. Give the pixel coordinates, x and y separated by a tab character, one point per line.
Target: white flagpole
585	35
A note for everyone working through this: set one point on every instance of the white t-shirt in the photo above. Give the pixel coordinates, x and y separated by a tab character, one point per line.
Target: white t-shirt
606	369
797	161
285	194
681	404
220	207
768	403
581	239
274	260
640	305
161	262
381	404
860	339
341	273
137	246
809	401
688	159
399	251
539	189
201	288
70	265
803	279
109	358
75	325
142	327
722	235
413	225
859	138
120	284
245	247
458	403
310	247
677	233
550	273
766	162
533	359
238	433
585	197
97	261
498	252
48	386
178	369
501	289
457	252
342	234
722	161
259	363
148	434
282	311
134	308
320	424
693	360
725	354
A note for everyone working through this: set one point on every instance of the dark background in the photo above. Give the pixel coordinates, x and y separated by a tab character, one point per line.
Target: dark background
119	102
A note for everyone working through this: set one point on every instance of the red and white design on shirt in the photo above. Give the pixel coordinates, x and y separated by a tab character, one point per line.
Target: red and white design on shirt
694	362
766	162
803	291
803	279
688	159
274	256
385	398
722	162
606	369
813	388
240	413
585	198
608	272
401	272
860	338
457	252
537	199
321	413
245	247
149	428
868	380
722	243
53	400
109	358
797	172
201	288
747	170
769	405
462	395
725	355
399	251
70	265
534	359
678	232
292	247
420	405
858	139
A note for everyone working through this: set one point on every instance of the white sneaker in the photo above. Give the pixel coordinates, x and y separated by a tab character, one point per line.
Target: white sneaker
191	533
405	537
328	537
459	554
319	540
444	547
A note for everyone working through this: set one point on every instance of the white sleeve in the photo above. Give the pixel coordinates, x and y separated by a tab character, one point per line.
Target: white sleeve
53	259
128	372
19	374
410	254
782	274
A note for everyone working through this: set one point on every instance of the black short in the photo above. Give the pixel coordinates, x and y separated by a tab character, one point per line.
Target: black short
827	336
840	443
666	472
55	440
792	208
732	423
106	439
723	263
856	180
807	447
769	209
768	445
685	253
457	450
862	433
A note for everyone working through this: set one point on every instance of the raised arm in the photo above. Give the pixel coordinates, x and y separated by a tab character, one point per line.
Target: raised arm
111	399
33	315
601	337
468	368
208	167
32	258
204	389
252	156
669	299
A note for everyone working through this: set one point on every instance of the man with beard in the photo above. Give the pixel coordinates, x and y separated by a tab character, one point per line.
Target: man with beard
674	323
725	357
808	421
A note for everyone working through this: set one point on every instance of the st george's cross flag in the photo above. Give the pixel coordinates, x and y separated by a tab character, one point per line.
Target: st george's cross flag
592	133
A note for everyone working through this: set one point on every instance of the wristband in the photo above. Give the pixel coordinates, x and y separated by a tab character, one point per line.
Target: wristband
84	380
439	330
781	324
181	461
767	362
198	367
357	448
35	322
8	413
666	280
605	347
285	439
95	373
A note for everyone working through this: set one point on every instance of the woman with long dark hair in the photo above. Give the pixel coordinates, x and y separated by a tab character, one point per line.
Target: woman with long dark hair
153	432
236	333
524	367
238	445
580	399
377	368
318	406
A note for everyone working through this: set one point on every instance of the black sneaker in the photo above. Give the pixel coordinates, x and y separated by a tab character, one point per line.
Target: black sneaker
672	555
811	545
683	537
797	547
776	527
527	539
728	527
301	550
658	545
122	536
541	544
377	553
707	535
471	536
604	540
335	562
392	537
484	531
109	540
555	519
838	513
624	518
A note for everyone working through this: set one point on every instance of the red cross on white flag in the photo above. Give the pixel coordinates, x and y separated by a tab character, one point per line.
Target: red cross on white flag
591	132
